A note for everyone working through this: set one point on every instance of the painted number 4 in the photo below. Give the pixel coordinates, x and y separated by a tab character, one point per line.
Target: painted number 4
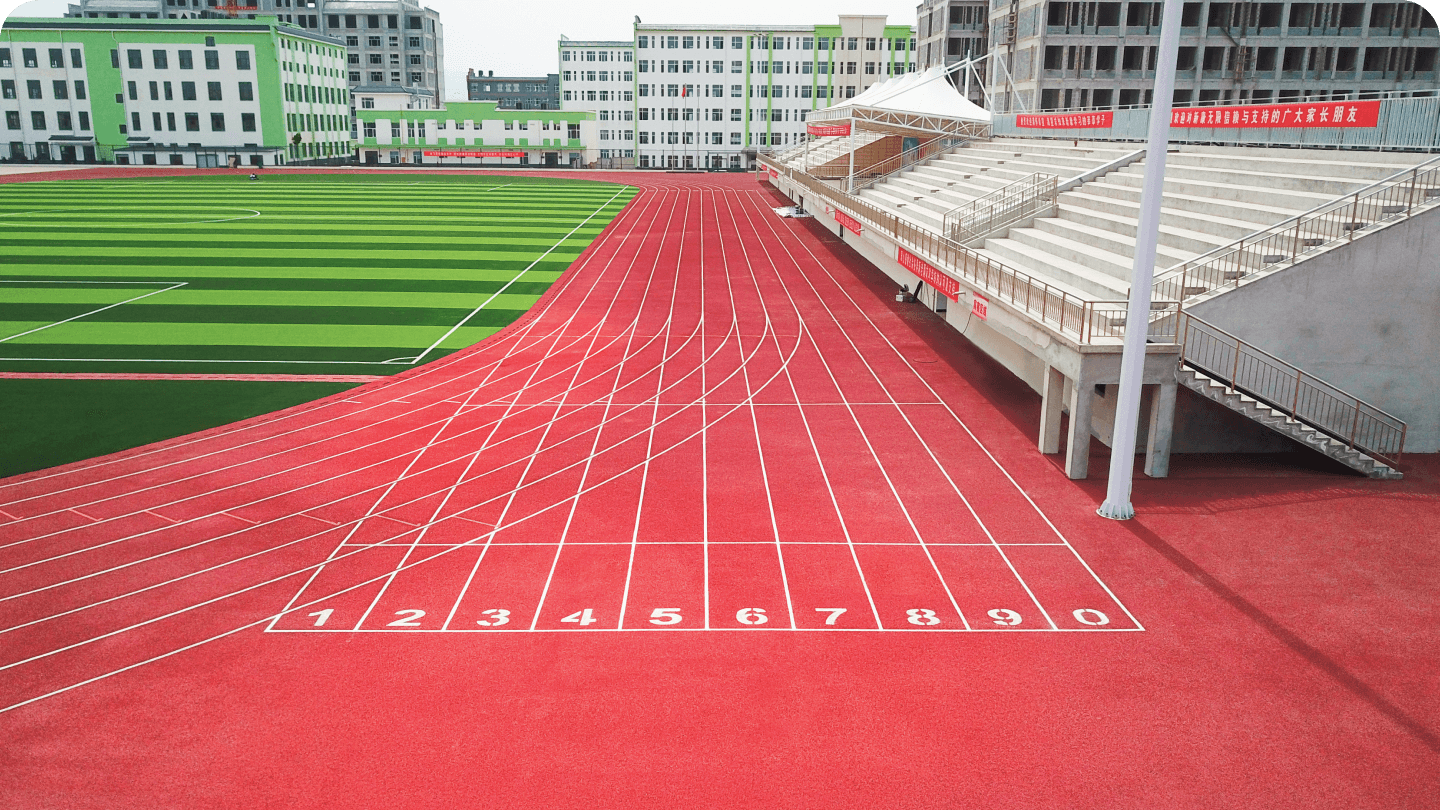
582	618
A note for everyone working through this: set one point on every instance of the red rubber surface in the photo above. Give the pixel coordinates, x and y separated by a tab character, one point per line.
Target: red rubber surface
715	413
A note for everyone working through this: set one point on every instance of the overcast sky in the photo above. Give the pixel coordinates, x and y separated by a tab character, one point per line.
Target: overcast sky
524	44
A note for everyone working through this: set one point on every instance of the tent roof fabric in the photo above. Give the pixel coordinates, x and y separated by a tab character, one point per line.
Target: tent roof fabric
925	93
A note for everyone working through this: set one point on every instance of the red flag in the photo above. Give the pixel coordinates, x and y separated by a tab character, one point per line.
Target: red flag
684	89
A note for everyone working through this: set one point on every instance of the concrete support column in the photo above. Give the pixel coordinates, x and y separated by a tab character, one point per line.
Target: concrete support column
1052	400
1162	429
1077	443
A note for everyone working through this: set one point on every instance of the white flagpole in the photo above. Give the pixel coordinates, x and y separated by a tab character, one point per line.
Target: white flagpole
1137	321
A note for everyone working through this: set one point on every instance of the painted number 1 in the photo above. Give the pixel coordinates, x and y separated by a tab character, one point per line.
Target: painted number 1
322	616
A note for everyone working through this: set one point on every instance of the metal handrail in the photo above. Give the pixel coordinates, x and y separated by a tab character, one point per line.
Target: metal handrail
1086	321
1286	241
1002	207
863	139
1287	388
893	165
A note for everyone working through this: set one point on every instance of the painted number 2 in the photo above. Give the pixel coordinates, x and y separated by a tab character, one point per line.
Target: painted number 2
408	618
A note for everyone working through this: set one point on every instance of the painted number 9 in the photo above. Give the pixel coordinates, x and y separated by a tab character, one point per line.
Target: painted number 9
1005	618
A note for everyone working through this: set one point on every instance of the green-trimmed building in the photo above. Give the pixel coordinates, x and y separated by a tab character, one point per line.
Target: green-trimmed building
709	96
400	127
176	92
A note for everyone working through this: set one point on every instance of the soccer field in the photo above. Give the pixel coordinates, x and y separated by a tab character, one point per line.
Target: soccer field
288	275
307	274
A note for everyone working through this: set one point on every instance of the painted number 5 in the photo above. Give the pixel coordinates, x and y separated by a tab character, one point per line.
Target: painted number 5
664	616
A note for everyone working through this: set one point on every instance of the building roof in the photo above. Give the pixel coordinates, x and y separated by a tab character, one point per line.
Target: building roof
925	93
209	25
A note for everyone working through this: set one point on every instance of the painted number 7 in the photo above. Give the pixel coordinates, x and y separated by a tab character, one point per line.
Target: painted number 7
835	613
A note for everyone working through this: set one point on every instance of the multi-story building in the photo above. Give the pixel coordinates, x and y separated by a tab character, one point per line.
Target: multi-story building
952	31
515	92
181	92
598	76
707	96
393	42
1063	55
399	128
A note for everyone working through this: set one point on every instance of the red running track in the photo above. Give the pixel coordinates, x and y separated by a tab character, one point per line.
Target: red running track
714	422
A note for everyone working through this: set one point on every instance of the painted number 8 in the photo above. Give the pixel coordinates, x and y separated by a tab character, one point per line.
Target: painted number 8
922	616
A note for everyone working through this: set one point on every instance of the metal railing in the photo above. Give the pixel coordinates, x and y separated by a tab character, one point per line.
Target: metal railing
863	138
982	216
1395	197
1314	402
882	170
1085	321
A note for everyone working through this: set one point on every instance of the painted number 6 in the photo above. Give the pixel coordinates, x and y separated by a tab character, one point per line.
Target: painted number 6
752	616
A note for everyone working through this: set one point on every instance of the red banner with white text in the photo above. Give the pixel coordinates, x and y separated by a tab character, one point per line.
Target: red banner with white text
474	154
827	130
947	286
1305	115
1091	120
847	222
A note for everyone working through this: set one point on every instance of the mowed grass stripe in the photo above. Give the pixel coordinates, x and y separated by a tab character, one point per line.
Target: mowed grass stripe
280	271
497	314
87	332
35	288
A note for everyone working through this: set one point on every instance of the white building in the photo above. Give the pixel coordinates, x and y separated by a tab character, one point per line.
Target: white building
599	77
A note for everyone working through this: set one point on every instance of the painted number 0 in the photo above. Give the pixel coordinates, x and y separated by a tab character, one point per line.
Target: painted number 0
1094	618
922	616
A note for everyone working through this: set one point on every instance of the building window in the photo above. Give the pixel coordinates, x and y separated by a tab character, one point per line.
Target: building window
84	121
212	60
217	122
192	122
37	120
134	59
12	119
161	59
169	121
7	88
213	89
155	122
32	88
187	61
30	59
247	122
242	60
75	61
377	76
247	91
187	91
370	129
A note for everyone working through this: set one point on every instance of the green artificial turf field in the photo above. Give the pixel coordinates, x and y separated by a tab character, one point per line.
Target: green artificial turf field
292	274
301	274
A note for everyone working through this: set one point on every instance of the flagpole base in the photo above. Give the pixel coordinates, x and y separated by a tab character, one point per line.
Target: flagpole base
1116	511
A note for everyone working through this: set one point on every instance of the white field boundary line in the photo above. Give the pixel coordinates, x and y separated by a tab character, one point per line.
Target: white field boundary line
413	376
534	369
750	392
538	259
175	286
809	432
610	400
225	512
313	483
785	362
540	445
343	416
318	461
915	432
969	432
418	498
392	361
855	419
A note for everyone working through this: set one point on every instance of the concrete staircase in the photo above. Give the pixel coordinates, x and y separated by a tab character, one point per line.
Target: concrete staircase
1283	424
1212	196
825	150
925	191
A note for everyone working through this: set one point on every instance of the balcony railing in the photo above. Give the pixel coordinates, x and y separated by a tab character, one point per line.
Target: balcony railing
1282	386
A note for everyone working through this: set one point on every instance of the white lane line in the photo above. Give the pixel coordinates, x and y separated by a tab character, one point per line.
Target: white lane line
174	286
496	294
